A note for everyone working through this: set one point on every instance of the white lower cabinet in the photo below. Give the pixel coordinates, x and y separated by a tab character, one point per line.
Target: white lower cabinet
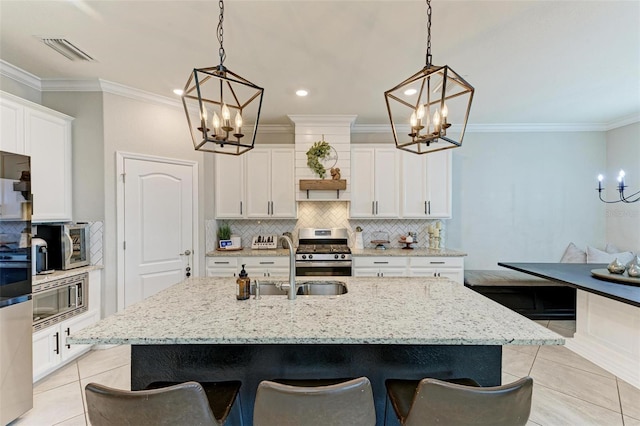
380	266
50	350
271	266
256	266
443	267
222	267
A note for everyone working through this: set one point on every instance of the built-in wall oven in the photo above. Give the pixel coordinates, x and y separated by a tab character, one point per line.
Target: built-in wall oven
323	252
58	300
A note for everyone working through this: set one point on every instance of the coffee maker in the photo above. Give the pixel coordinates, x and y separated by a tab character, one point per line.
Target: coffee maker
39	256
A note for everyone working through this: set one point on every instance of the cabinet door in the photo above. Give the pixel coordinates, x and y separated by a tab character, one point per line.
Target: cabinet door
229	186
71	326
46	351
386	182
439	184
414	185
258	183
11	127
10	201
222	267
283	187
362	182
48	141
366	272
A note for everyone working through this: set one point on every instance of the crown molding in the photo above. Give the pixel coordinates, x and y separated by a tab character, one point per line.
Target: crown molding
20	75
137	94
96	85
625	121
322	119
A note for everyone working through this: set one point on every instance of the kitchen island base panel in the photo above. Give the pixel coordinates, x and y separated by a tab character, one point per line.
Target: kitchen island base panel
253	363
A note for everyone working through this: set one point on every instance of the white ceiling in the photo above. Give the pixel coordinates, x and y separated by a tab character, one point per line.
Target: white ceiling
552	62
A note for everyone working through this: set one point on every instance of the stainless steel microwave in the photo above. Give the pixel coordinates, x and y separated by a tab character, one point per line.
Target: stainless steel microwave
67	244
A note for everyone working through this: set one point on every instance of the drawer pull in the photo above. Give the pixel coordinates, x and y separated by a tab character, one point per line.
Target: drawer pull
267	263
221	263
437	263
381	263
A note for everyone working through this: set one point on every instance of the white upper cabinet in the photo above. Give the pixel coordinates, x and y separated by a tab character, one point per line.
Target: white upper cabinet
11	126
270	183
49	140
426	185
256	185
45	136
229	186
374	182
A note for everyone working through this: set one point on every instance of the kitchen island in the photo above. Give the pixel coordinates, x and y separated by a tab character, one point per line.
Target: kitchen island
382	328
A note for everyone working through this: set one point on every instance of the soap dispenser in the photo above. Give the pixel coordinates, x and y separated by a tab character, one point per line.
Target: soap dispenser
244	284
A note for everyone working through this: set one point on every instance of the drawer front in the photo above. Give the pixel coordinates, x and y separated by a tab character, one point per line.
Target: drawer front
436	262
266	262
222	262
379	262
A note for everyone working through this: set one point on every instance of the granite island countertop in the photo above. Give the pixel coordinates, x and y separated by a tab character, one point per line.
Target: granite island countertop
397	252
412	311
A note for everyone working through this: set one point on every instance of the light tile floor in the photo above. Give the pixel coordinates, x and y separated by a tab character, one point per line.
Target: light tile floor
568	389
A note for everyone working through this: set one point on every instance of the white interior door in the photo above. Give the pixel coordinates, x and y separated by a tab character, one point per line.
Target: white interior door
158	198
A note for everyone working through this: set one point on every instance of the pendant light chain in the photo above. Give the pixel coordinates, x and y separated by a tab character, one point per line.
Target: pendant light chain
221	51
428	33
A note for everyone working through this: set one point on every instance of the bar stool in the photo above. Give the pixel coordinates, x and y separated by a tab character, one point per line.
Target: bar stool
181	404
222	398
436	402
346	403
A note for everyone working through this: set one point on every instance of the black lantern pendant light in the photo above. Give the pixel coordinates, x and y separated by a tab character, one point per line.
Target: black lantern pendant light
433	104
223	109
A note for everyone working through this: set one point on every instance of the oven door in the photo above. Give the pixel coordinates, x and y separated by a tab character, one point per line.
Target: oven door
323	268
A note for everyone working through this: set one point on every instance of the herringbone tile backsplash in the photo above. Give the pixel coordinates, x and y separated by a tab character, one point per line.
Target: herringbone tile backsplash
334	214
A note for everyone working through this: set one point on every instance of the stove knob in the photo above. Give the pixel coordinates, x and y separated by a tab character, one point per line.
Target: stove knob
304	256
335	256
310	256
343	256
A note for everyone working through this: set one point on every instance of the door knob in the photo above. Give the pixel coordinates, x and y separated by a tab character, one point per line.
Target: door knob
186	253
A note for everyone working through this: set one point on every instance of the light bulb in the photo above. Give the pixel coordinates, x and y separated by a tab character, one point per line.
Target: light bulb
204	114
238	120
621	174
436	119
226	114
445	111
420	112
600	178
216	121
414	119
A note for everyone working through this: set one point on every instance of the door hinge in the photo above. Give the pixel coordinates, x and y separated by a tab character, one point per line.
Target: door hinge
124	245
123	175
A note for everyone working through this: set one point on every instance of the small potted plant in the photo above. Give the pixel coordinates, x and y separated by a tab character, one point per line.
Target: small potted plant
224	235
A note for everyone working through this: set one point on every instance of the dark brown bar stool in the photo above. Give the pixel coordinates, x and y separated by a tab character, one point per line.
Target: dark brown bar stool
221	397
346	403
435	402
181	404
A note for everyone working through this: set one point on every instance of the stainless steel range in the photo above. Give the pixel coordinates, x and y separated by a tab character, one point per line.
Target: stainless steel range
323	252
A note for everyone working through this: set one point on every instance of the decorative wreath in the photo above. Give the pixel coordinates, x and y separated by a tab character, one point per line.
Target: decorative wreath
319	151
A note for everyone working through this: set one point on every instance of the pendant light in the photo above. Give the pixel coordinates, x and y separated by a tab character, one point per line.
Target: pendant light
223	109
624	198
433	104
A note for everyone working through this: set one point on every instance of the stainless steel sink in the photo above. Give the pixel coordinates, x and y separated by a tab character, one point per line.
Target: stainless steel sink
305	288
321	288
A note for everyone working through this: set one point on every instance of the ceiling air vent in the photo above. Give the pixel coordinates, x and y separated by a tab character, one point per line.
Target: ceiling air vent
67	49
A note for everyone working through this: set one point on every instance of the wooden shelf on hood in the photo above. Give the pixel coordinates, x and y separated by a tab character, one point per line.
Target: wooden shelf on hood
323	185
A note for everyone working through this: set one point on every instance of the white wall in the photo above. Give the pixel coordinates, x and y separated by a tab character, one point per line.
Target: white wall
525	196
87	150
623	220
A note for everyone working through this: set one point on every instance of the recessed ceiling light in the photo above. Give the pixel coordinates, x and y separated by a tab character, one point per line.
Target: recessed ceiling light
302	92
410	92
178	92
